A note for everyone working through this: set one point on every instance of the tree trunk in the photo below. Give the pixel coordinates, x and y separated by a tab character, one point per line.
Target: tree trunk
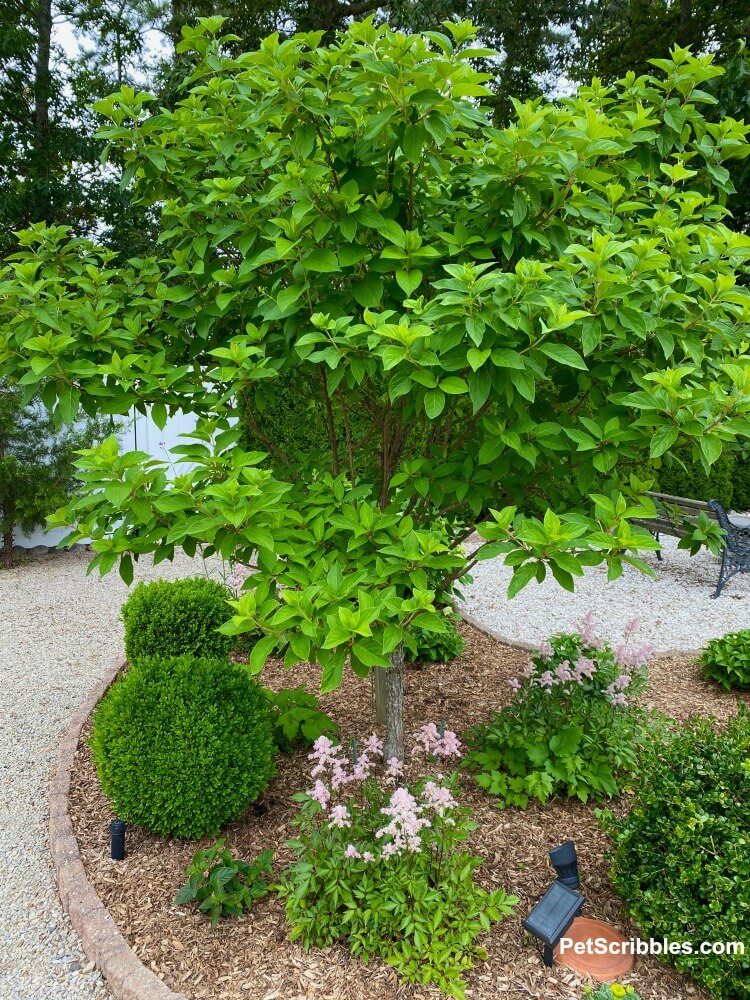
42	89
685	33
388	702
8	547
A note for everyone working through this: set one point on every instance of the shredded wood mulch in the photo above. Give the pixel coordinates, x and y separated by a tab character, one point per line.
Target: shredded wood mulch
253	959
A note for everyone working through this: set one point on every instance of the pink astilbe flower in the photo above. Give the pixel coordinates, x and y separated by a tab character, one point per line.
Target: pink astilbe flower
547	680
352	852
405	825
586	631
339	817
368	856
394	769
585	668
362	768
528	669
429	740
563	672
374	745
320	793
438	798
545	651
325	753
514	684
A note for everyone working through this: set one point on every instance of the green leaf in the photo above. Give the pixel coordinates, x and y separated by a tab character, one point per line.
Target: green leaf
260	653
408	281
662	441
159	415
369	291
321	260
434	401
565	355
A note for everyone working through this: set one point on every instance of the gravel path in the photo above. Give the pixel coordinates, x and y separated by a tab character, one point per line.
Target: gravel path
675	609
59	630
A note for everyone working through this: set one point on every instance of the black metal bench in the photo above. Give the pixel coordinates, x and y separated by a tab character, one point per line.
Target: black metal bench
677	515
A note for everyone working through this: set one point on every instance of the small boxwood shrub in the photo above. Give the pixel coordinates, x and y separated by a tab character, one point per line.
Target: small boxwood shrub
681	857
691	480
436	647
727	660
741	483
183	745
174	618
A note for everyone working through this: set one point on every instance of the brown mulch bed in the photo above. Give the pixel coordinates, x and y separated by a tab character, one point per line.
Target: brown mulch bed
253	957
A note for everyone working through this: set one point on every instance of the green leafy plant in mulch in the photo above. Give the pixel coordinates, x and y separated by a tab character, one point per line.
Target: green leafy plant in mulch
436	647
222	885
297	717
727	660
572	728
680	859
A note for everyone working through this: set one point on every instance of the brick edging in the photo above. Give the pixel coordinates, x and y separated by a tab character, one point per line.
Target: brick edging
127	977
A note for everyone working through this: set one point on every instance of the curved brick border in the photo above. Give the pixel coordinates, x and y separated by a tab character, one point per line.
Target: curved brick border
127	977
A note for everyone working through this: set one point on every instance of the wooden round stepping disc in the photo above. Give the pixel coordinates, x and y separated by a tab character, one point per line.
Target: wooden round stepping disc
604	968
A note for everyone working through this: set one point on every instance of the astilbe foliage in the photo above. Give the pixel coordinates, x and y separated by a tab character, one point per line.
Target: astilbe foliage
572	727
381	863
680	857
222	885
183	745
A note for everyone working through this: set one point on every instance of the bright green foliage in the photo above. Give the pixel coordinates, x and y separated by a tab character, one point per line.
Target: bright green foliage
222	885
681	858
168	618
346	216
183	745
438	647
610	991
570	729
727	660
297	717
403	890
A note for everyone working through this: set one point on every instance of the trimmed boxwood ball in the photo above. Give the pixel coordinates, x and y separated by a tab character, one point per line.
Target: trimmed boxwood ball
173	618
183	745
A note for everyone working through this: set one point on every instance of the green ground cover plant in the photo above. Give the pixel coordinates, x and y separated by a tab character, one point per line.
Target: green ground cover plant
183	745
572	727
222	885
680	858
727	660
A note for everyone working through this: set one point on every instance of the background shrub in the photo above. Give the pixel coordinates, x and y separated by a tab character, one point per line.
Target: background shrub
681	857
741	483
727	660
298	718
183	745
174	618
691	481
436	647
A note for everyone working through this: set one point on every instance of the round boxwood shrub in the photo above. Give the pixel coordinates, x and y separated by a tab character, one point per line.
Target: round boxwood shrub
183	745
727	660
173	618
681	857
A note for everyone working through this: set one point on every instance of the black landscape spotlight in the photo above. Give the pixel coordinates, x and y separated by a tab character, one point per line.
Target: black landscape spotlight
552	916
117	843
565	862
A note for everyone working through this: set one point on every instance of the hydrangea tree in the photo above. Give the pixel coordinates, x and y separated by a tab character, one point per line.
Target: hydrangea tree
524	316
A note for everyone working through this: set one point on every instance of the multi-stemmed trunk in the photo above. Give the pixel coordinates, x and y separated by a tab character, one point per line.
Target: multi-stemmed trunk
388	702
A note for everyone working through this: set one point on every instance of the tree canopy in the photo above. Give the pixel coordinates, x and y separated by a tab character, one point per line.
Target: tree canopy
544	308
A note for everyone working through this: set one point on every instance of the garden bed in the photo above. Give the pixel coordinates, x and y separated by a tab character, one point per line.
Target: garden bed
253	957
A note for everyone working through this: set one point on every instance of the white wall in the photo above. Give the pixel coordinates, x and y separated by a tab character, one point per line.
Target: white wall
141	434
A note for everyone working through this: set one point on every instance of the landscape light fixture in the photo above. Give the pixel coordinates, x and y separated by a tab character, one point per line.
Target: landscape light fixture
565	862
552	916
117	839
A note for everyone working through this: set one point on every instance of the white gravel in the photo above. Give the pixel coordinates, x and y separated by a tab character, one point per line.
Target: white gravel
59	630
675	609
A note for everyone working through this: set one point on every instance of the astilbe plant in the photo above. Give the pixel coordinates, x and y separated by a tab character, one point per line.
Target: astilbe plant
572	727
380	863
